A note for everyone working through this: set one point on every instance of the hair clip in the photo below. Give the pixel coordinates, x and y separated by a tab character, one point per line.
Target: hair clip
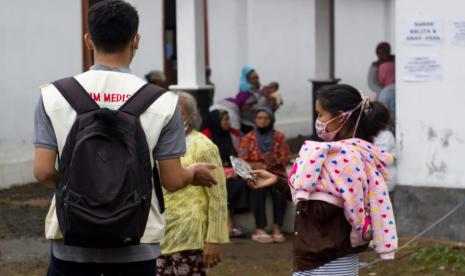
366	106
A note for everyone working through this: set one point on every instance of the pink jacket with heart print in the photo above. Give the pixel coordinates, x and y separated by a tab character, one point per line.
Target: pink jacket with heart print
350	174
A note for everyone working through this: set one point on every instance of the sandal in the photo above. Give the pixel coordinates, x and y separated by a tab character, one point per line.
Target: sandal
262	238
236	233
279	238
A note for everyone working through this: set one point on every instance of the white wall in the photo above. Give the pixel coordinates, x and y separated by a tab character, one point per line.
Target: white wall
39	42
431	131
228	44
360	25
277	38
150	54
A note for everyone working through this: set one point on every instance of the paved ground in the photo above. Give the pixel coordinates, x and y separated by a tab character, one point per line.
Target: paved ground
24	252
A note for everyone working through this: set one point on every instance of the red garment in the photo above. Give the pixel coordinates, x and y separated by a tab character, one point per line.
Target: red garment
234	133
387	73
235	136
249	151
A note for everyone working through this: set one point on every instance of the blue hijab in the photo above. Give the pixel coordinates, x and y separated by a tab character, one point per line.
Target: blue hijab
245	85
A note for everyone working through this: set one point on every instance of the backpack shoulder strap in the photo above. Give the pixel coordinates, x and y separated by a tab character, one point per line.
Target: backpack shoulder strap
136	105
76	95
142	99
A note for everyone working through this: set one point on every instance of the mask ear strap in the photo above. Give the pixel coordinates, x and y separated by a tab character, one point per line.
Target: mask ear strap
361	104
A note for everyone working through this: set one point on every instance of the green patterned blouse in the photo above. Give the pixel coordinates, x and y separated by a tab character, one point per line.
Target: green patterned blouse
195	215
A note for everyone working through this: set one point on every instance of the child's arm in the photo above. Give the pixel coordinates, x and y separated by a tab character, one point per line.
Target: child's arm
352	180
311	157
383	222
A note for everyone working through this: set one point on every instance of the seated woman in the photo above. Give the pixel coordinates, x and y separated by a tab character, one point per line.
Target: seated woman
236	106
266	148
227	139
196	217
250	82
249	97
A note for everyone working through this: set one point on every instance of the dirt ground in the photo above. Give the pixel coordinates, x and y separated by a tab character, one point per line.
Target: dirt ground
24	252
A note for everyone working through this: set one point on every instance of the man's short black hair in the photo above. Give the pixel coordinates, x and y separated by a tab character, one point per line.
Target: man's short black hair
112	25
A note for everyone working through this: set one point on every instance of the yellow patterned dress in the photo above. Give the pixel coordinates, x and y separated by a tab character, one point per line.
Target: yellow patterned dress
195	215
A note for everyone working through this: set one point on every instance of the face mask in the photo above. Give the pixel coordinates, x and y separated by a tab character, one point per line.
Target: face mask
321	129
329	136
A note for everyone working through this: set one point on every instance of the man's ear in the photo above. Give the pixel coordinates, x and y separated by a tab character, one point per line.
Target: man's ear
136	42
88	42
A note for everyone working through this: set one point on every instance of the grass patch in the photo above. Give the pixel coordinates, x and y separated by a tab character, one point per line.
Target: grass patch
441	257
423	258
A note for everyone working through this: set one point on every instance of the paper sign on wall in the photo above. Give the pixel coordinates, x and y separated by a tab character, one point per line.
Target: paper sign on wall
423	32
422	69
458	33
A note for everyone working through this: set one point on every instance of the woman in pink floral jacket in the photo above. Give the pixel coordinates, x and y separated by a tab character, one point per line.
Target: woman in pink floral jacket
338	186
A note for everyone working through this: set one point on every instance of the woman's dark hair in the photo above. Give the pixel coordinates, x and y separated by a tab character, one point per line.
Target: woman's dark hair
112	25
342	97
383	46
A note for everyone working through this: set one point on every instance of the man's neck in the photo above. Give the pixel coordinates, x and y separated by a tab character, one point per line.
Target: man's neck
113	60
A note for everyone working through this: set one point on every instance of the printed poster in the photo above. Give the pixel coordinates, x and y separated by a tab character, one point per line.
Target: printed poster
423	32
458	33
422	69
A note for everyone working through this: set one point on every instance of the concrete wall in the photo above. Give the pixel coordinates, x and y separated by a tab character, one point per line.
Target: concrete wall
43	44
277	38
359	26
38	44
430	128
150	54
417	208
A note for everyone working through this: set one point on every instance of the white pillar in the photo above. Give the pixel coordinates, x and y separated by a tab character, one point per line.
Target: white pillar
190	24
324	44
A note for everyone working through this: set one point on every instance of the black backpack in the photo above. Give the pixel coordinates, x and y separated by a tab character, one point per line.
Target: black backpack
104	184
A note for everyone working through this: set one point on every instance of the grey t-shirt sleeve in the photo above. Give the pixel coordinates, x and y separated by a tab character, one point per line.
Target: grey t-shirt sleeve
44	136
172	141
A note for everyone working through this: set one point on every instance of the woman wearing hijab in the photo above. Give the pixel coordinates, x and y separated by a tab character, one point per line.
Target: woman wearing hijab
227	140
235	106
249	97
250	81
266	148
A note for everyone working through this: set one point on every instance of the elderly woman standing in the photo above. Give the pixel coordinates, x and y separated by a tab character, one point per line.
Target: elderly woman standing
196	218
227	139
266	148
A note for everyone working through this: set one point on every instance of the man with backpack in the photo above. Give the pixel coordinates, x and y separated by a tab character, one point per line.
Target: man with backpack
108	127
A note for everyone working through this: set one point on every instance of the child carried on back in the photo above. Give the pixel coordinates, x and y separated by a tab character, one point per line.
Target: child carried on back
349	172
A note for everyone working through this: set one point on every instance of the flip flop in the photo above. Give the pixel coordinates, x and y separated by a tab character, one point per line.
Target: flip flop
236	233
262	238
279	238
